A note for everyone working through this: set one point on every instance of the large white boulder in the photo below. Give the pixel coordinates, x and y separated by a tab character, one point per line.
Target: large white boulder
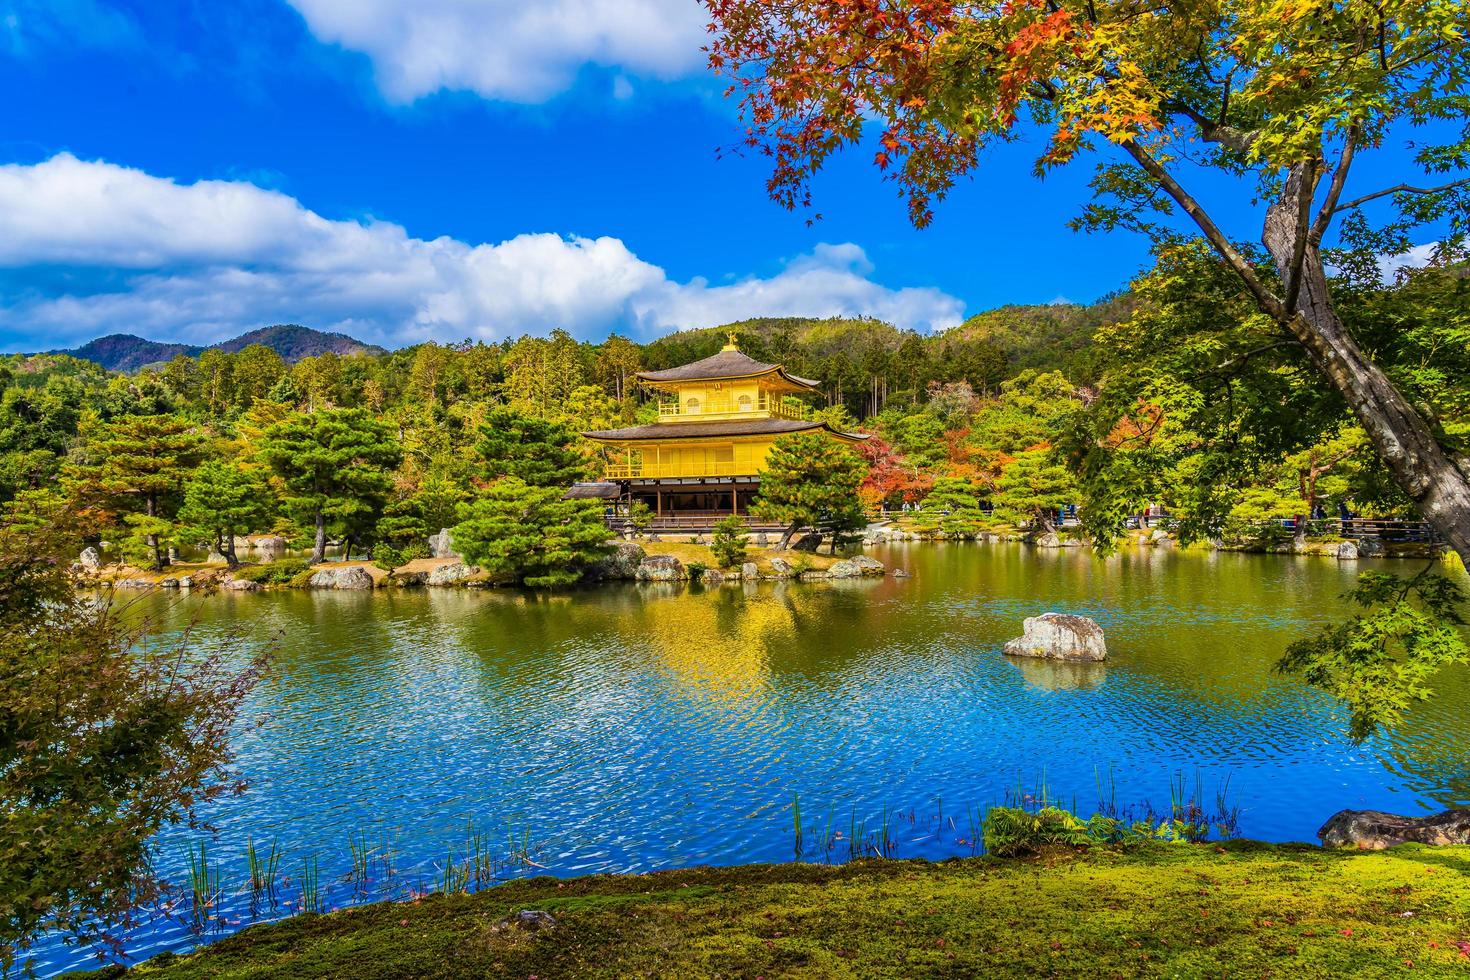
441	545
351	577
1060	636
661	568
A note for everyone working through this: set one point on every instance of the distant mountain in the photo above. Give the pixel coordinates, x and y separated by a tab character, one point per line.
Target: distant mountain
294	342
126	353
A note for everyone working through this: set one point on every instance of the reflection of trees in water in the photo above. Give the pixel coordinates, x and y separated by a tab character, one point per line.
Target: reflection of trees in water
1431	750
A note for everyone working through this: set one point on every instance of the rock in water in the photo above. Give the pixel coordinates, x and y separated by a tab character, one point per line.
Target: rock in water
712	576
1371	830
868	566
1347	551
271	548
1059	636
352	577
844	569
661	568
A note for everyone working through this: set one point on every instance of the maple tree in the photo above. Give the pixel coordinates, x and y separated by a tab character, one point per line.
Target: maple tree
1287	93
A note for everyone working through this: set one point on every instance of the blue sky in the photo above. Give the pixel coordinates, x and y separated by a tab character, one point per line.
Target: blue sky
440	169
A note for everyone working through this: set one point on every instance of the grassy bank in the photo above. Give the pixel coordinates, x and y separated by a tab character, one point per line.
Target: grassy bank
1239	909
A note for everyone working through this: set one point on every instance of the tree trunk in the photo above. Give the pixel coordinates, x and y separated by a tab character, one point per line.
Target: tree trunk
152	539
790	533
319	549
1437	483
231	558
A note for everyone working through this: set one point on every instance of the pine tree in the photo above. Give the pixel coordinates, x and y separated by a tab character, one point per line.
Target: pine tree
141	462
533	450
811	480
531	533
1032	489
336	466
728	541
223	499
953	507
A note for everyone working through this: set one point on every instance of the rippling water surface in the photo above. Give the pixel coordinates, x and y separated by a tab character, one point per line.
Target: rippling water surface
628	728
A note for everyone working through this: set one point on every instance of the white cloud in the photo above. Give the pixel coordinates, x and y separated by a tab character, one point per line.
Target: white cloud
204	261
509	49
1389	266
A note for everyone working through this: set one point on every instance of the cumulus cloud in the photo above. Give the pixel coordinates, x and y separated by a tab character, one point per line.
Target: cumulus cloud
103	248
1417	257
509	49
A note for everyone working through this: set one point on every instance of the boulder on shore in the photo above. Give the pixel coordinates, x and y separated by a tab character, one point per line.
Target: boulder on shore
1059	636
271	548
750	571
1373	830
868	566
1347	551
240	585
844	569
451	574
661	568
90	560
1052	539
351	577
781	568
622	563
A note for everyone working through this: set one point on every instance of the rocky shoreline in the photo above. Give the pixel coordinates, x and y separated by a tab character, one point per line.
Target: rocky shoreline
629	561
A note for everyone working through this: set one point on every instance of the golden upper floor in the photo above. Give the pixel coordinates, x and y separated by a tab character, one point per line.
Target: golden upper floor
728	385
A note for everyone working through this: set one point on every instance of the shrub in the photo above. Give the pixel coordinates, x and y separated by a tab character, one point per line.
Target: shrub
694	570
728	543
413	551
273	572
387	557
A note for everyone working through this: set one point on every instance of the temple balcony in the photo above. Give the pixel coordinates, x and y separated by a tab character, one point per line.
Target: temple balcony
632	469
745	407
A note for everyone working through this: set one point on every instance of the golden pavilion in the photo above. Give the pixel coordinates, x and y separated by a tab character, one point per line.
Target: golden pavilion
702	459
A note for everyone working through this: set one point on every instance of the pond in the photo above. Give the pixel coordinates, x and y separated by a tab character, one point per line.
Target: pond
629	728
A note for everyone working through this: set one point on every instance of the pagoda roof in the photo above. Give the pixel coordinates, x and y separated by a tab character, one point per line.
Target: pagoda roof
707	430
728	364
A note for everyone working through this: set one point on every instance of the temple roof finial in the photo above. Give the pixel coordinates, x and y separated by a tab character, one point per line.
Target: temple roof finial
730	341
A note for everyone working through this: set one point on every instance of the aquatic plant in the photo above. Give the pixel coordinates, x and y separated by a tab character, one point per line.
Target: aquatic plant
263	867
204	886
362	857
311	892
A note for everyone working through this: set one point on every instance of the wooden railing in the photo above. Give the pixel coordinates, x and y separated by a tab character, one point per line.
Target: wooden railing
720	409
634	470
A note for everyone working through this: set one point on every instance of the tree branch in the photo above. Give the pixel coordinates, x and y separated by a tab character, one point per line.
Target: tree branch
1334	190
1238	263
1401	189
1303	222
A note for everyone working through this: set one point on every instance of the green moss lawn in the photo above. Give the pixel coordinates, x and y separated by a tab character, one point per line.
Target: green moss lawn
1239	910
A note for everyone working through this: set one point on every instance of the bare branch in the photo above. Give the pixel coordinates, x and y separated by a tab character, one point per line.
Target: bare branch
1401	189
1334	190
1238	263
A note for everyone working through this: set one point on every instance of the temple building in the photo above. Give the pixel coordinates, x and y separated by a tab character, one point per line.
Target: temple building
702	459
